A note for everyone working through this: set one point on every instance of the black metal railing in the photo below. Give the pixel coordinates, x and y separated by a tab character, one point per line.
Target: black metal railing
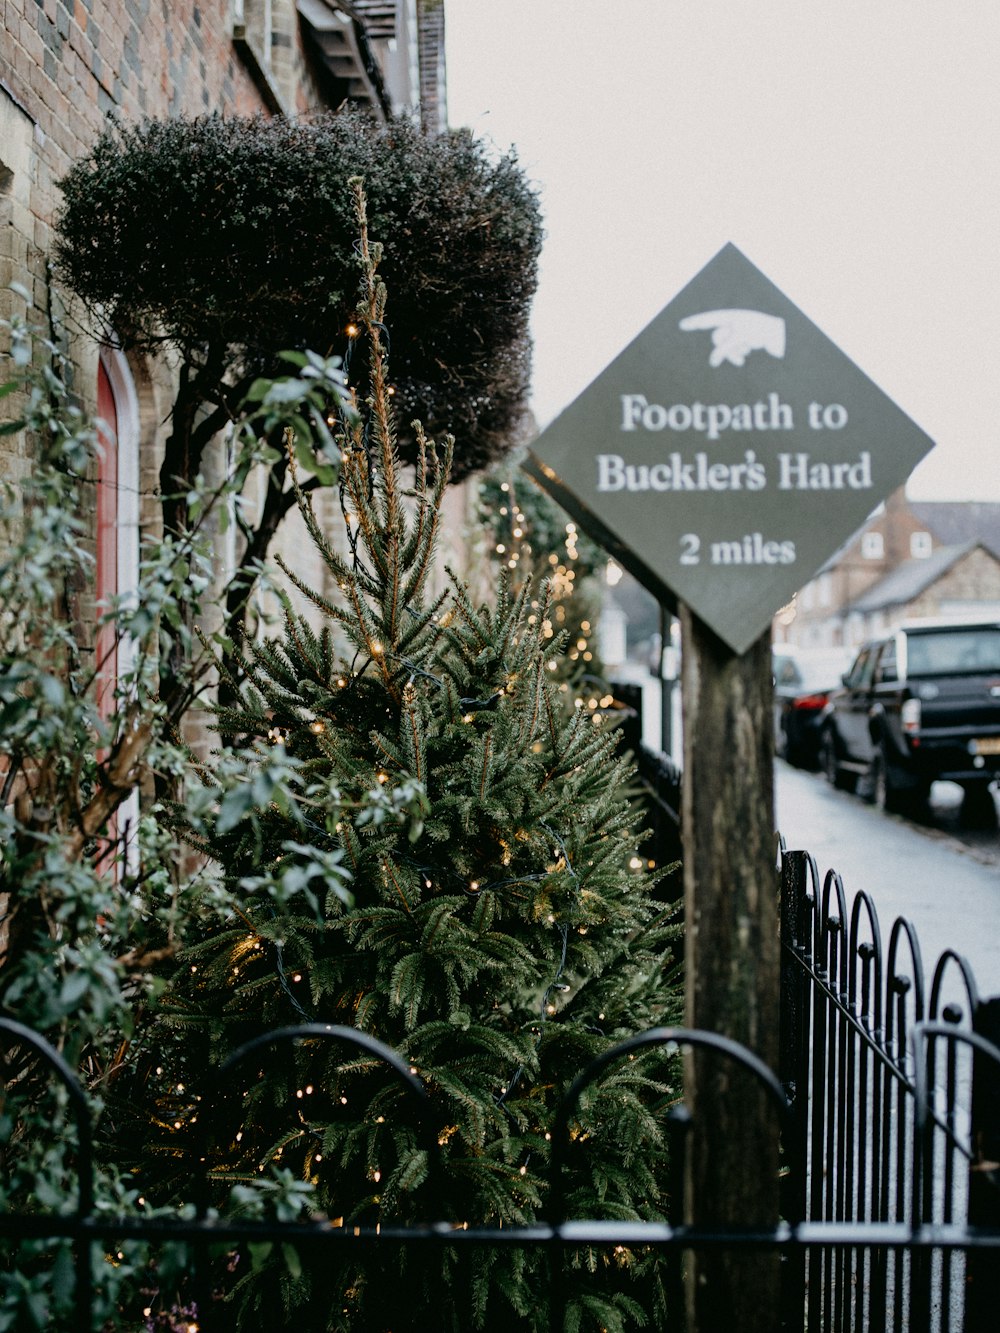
881	1072
888	1099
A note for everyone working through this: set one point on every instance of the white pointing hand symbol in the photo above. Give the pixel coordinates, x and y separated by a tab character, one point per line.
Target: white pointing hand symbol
737	333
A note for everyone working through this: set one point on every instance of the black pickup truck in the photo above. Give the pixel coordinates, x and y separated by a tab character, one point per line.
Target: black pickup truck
921	704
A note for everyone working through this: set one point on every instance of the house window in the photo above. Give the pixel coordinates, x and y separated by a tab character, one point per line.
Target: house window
117	573
117	499
872	546
921	544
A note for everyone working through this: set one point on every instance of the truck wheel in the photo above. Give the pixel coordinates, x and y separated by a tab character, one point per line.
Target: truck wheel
978	807
893	791
830	765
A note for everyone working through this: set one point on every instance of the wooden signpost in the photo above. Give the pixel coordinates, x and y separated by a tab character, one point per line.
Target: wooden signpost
721	458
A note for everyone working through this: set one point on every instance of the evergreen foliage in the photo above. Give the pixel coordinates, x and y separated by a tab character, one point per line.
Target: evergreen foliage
233	239
534	539
490	919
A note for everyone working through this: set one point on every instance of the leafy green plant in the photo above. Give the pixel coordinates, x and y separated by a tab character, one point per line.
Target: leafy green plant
96	892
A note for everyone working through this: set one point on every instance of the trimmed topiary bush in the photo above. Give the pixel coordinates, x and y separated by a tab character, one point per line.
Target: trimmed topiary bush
230	239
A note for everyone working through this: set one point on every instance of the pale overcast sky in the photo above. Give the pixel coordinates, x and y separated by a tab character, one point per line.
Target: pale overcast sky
851	150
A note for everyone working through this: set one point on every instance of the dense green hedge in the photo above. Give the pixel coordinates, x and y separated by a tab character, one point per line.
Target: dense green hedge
235	237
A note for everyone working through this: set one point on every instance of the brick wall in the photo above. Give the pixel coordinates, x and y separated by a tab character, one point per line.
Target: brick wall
65	66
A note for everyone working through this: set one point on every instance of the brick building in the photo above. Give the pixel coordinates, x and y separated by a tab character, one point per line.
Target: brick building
910	558
67	65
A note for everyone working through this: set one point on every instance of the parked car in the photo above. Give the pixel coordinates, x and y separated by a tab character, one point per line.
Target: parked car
803	681
920	704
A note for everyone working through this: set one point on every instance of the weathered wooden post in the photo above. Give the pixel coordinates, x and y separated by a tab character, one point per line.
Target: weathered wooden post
732	968
721	458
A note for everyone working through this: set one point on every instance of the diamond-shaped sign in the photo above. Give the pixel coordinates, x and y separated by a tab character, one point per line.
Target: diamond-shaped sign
728	451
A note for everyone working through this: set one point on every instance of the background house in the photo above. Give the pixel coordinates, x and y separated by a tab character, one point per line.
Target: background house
909	559
951	581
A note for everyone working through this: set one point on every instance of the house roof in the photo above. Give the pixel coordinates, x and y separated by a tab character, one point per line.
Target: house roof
952	522
957	521
911	578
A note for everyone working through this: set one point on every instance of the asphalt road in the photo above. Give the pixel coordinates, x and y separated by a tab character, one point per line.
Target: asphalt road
941	875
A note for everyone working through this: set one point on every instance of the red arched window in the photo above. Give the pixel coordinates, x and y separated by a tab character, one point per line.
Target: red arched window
106	656
117	557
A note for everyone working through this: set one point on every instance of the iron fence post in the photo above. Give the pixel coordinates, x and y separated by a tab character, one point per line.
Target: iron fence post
982	1273
793	1069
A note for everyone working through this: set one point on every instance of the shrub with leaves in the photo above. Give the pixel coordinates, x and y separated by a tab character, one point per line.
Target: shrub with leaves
233	239
95	894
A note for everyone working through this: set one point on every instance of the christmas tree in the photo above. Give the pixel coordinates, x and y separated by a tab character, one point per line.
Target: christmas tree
534	540
460	876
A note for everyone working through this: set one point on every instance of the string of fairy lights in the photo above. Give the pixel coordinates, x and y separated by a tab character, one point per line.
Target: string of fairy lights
519	543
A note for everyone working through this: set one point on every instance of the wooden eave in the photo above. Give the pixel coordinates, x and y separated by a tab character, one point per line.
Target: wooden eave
340	40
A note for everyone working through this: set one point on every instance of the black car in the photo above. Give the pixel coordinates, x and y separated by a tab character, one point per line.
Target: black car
918	705
803	681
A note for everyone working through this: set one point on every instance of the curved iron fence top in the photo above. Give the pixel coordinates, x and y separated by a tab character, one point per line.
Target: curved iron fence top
831	931
352	1037
690	1037
330	1032
887	978
922	1038
898	982
78	1103
923	1035
868	951
833	885
951	961
803	882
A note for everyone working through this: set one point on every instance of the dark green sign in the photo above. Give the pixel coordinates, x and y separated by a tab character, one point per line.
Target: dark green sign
728	451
